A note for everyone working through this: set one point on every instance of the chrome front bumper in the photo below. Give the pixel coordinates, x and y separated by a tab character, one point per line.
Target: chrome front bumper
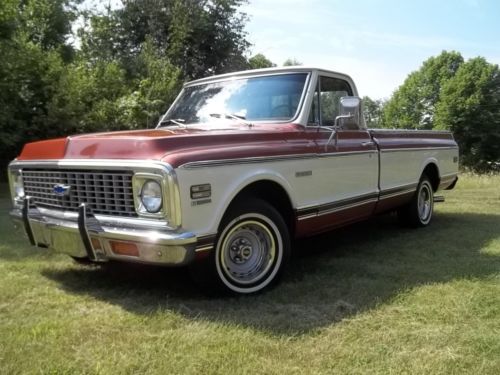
83	235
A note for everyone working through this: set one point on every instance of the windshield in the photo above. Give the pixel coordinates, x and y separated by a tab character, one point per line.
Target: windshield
264	98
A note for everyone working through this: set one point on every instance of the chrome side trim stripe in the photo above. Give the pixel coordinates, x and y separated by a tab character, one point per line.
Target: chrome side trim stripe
401	192
345	204
267	159
334	154
398	190
259	159
385	150
346	207
328	208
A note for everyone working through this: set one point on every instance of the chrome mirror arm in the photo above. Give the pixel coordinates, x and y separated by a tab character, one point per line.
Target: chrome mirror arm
334	130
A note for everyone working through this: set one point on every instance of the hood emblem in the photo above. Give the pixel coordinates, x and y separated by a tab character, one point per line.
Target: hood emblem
61	190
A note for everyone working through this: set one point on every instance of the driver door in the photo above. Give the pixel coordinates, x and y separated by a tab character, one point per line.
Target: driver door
346	173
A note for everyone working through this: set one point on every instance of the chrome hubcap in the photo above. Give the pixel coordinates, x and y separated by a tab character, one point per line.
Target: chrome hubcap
424	202
241	250
248	252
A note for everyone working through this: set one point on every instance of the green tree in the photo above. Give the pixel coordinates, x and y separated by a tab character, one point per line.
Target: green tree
412	106
130	65
101	38
97	97
47	23
260	61
33	49
200	37
373	112
8	19
158	87
470	107
292	62
86	98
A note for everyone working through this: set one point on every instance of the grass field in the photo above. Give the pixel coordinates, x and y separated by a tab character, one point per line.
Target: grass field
371	298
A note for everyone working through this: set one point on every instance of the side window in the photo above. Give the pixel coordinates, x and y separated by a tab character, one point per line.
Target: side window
331	90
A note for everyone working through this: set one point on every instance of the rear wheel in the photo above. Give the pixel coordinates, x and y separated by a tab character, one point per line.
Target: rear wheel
418	213
251	250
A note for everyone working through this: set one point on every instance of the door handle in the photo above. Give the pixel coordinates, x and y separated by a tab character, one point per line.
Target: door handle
367	143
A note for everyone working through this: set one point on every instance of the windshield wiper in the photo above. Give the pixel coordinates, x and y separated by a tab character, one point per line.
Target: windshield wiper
176	121
241	119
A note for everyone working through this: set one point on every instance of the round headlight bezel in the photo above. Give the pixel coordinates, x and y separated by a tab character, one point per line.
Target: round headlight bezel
152	196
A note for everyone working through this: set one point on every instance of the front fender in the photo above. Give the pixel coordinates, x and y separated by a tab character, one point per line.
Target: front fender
226	183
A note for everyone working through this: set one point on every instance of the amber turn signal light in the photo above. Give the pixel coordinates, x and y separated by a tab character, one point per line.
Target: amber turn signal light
124	248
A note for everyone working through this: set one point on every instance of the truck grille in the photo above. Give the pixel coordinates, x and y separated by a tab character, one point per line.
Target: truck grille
104	192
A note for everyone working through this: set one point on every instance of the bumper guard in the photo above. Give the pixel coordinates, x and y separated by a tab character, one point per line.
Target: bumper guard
85	236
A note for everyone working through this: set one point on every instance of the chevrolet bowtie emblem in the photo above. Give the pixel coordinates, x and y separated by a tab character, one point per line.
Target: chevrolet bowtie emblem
61	190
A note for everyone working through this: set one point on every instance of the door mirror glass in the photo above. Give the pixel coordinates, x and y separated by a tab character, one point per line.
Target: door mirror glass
349	113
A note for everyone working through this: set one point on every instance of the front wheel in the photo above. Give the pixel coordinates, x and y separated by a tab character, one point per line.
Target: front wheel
251	250
418	213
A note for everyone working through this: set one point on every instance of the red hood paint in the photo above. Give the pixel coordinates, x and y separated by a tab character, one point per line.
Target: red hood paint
175	146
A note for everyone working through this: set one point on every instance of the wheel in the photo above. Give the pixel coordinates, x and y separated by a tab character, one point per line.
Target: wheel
251	250
418	213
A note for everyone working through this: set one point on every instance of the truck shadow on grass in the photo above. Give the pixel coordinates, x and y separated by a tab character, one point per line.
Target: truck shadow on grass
332	276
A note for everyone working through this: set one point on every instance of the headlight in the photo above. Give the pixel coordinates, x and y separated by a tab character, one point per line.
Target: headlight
16	185
151	196
155	196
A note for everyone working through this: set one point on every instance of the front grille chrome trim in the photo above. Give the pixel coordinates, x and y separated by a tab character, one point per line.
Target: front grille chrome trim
103	192
173	220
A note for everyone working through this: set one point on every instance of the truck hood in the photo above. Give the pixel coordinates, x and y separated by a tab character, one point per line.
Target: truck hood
172	145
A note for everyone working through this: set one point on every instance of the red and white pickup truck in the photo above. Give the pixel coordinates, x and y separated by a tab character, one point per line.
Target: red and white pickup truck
239	166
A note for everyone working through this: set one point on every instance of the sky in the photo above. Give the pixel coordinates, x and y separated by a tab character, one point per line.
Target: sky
378	43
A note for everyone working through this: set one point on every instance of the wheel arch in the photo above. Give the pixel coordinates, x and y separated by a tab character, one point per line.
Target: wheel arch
271	191
431	170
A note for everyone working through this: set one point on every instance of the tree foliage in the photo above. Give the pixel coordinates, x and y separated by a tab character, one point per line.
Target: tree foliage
129	66
33	51
448	93
93	97
260	61
292	62
373	111
470	107
131	62
413	104
200	37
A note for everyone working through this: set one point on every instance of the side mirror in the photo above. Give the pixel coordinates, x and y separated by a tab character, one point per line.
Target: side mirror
349	118
349	113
